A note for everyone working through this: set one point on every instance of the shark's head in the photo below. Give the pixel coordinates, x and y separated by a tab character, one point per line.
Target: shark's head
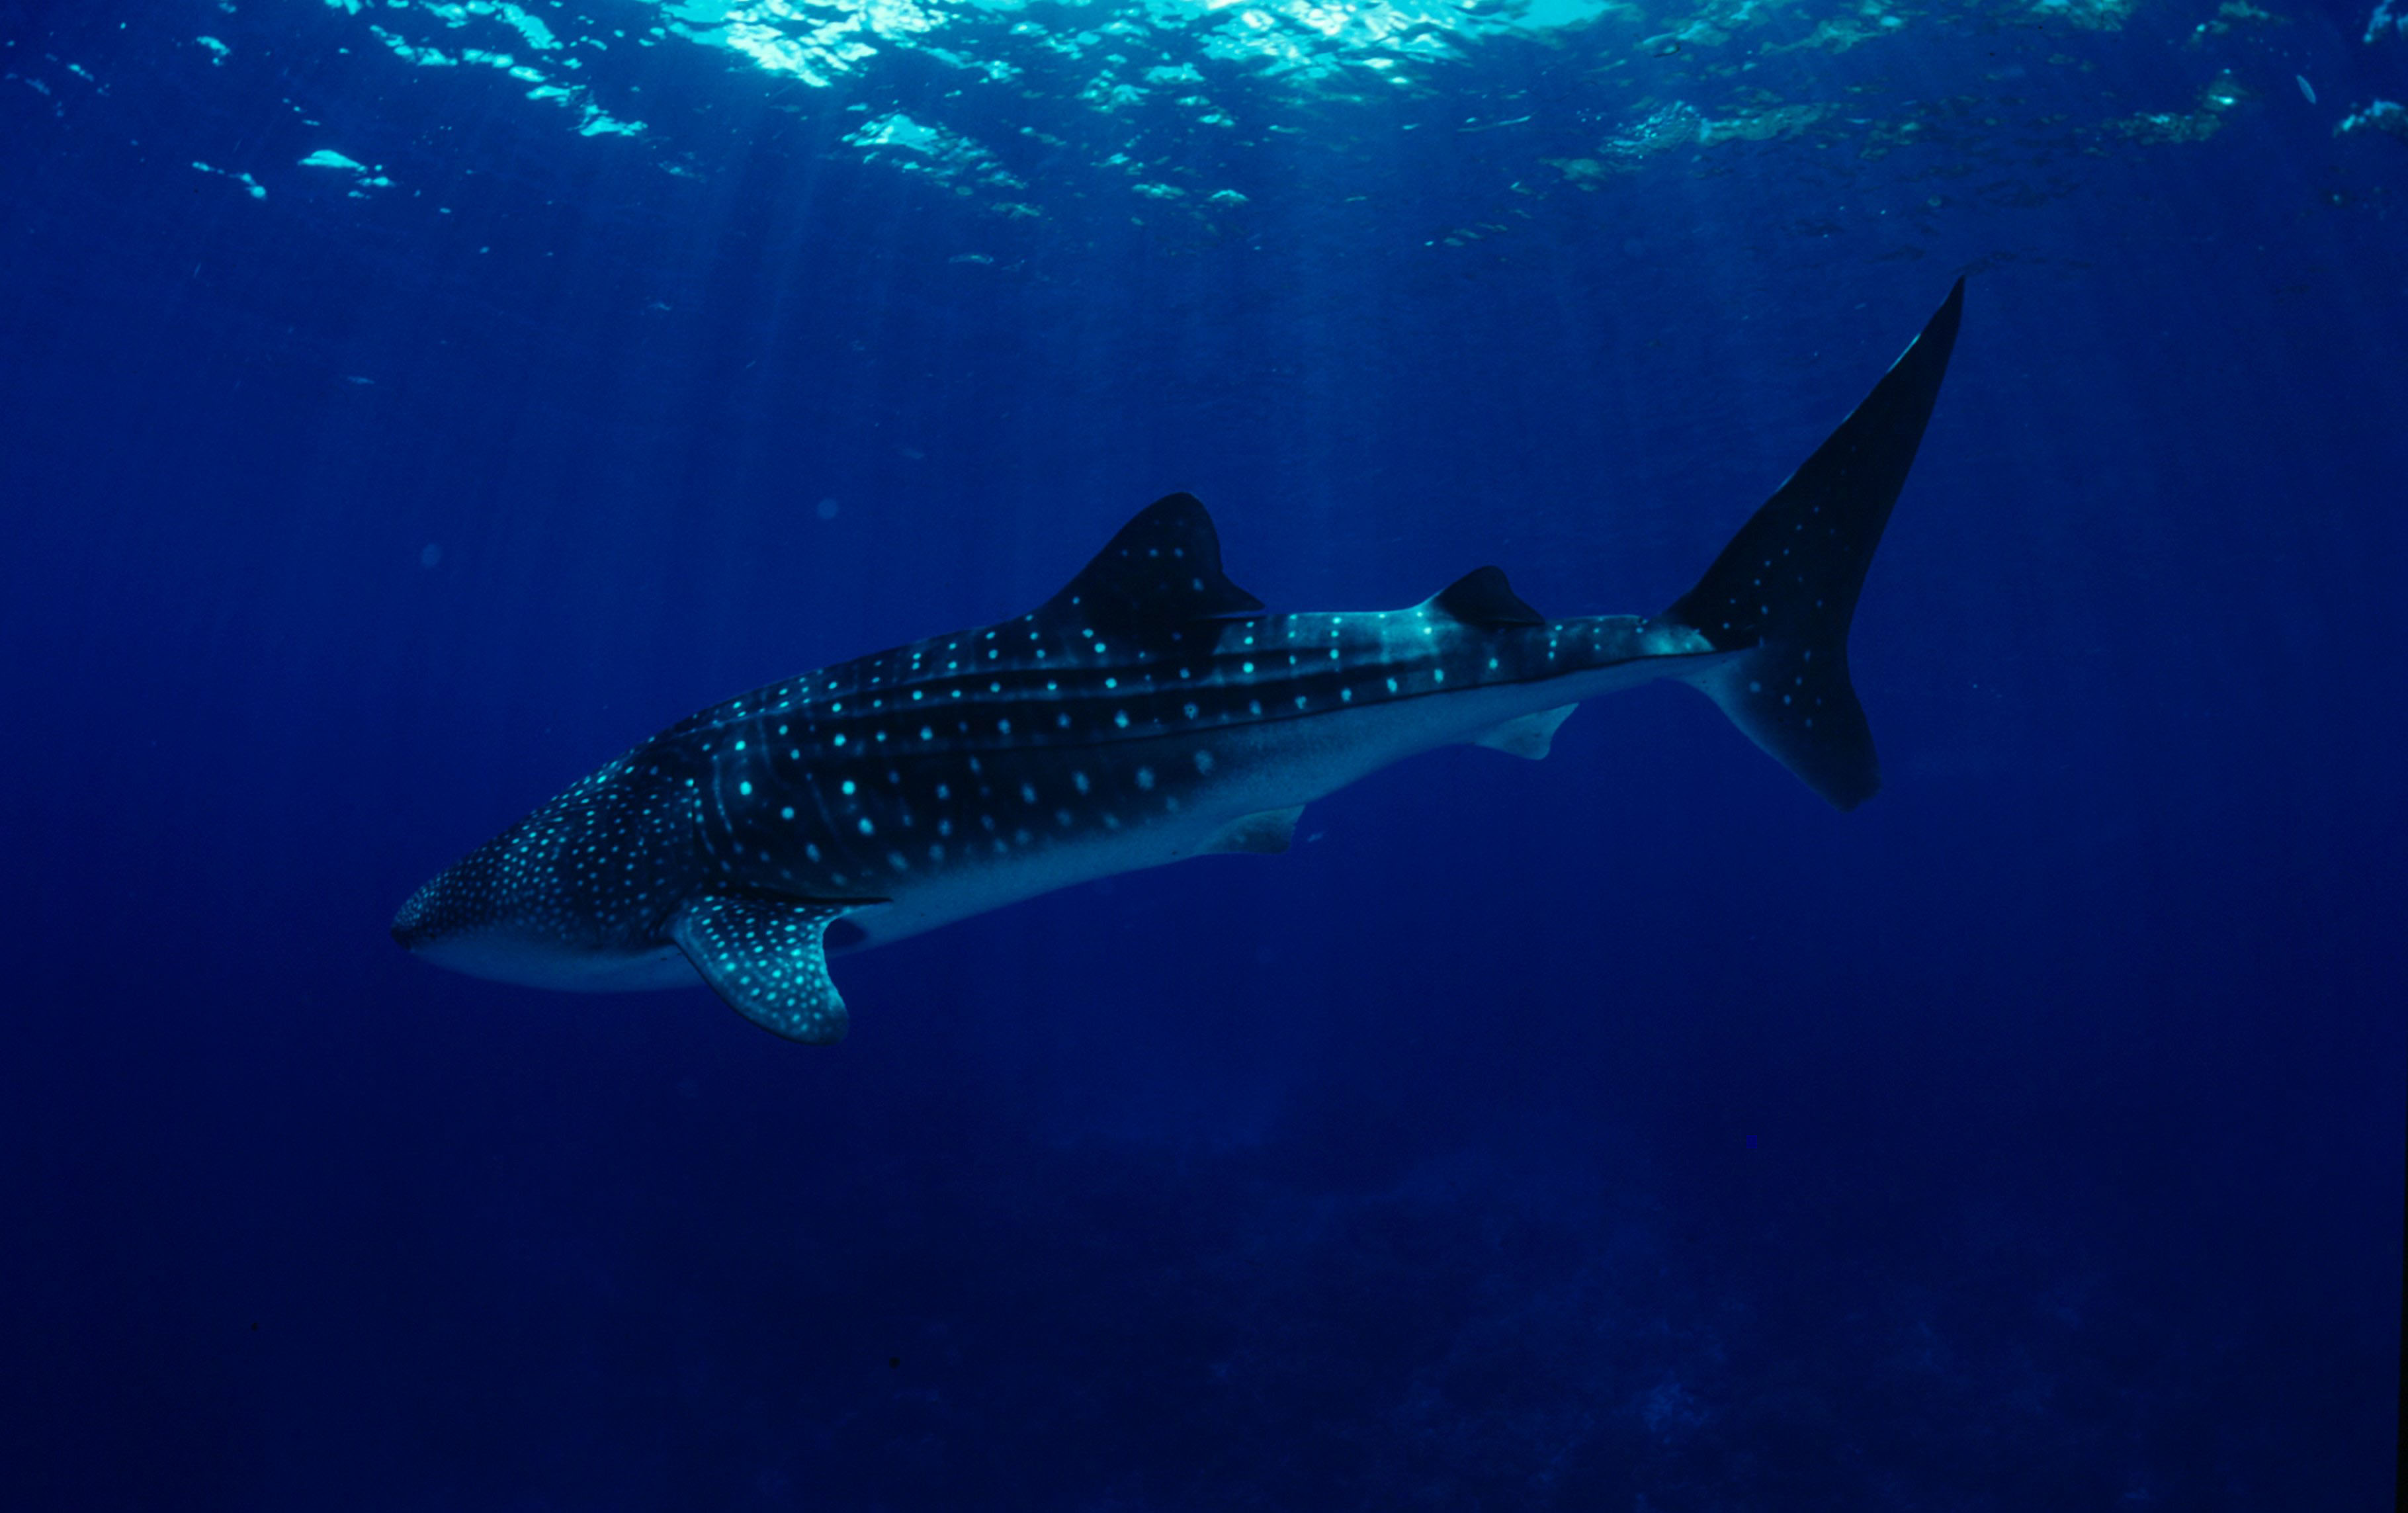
466	919
456	902
532	906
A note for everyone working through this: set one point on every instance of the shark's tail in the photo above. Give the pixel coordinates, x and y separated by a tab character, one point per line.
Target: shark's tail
1785	589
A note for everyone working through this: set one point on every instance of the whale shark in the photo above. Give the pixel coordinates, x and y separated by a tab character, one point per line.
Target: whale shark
1150	711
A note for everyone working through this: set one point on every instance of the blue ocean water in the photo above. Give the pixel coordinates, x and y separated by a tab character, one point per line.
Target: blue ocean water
408	406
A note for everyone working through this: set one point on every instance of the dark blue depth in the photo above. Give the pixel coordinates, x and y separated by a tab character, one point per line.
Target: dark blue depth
1623	1130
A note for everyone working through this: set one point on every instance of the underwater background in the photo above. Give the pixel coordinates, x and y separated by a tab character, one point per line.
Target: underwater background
406	407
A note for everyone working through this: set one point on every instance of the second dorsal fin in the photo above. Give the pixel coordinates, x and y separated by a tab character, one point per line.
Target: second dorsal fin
1483	598
1164	568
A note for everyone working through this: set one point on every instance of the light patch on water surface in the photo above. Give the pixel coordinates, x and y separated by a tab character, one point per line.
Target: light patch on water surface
2387	115
820	41
250	186
2090	15
1671	127
363	178
940	152
2194	126
1149	109
495	22
1120	58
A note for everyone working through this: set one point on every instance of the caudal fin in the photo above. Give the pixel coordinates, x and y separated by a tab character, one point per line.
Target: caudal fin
1786	587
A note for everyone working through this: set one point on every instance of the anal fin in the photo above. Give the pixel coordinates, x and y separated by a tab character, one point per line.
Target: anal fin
765	957
1267	834
1532	736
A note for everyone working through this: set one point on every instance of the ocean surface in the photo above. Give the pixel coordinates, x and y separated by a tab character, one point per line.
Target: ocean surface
406	407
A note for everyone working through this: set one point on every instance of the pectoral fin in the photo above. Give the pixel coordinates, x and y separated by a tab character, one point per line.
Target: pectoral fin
1531	736
765	957
1265	834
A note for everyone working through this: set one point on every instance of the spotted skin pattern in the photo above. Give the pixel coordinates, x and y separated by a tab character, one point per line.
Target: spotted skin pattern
1150	711
963	752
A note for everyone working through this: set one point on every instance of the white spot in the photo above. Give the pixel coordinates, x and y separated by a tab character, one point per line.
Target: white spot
1145	777
867	829
744	788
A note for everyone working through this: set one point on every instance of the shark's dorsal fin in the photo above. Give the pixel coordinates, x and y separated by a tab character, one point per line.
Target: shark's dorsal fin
1483	598
765	958
1164	568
